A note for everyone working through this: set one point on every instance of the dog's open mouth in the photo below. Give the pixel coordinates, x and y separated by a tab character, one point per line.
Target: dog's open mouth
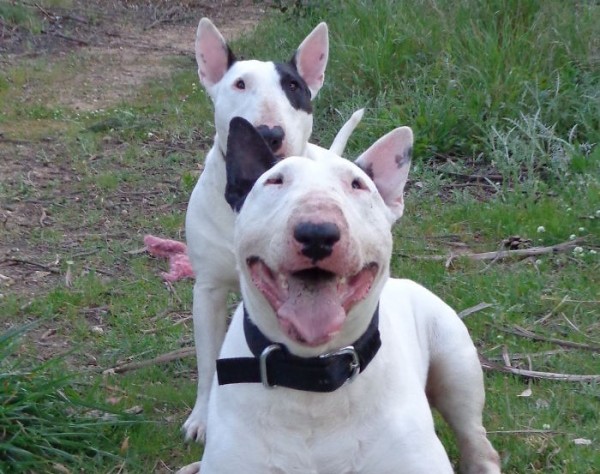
311	303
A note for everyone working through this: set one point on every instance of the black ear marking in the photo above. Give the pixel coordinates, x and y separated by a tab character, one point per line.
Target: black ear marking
404	158
230	57
247	157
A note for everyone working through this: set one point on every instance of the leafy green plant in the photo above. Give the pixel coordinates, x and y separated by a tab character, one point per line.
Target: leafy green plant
527	149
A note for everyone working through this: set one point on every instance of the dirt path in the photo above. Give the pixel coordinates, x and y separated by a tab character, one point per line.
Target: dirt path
112	48
121	44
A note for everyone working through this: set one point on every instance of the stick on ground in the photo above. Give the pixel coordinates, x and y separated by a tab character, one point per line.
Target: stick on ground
534	374
504	254
161	359
519	331
474	309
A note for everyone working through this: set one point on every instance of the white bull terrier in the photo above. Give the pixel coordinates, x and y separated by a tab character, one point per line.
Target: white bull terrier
275	98
328	363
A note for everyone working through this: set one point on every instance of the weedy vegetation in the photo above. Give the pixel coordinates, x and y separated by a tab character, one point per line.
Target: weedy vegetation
504	100
45	422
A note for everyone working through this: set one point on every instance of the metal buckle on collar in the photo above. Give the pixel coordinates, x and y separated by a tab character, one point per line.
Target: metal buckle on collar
263	364
354	364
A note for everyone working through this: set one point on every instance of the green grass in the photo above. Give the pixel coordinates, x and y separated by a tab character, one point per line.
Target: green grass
19	15
45	420
458	72
506	88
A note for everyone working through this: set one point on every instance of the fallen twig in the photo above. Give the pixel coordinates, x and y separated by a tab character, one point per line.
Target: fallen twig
535	374
504	254
569	300
66	37
472	184
161	359
141	193
98	270
522	332
474	177
526	432
76	18
33	264
474	309
45	12
517	357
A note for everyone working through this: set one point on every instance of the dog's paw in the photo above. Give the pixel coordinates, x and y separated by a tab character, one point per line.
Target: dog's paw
190	469
194	428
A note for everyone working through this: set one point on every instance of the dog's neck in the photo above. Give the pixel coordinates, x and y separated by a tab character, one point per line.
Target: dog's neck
273	364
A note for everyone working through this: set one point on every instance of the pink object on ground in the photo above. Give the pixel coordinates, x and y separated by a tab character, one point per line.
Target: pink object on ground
176	252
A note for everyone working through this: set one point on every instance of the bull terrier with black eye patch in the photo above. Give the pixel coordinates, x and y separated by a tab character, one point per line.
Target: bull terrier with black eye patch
276	99
329	364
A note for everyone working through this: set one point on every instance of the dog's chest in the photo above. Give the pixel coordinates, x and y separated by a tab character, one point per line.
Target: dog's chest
288	431
351	430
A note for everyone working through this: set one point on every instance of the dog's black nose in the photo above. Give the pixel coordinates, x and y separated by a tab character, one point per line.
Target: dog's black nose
317	239
273	136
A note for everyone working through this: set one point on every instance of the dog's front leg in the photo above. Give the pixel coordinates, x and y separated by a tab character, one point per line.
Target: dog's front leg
455	389
210	323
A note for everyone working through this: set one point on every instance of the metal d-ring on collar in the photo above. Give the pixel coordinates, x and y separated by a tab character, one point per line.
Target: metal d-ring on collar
354	363
274	365
264	376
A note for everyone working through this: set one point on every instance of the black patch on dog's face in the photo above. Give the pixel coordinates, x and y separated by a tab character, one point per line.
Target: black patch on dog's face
294	86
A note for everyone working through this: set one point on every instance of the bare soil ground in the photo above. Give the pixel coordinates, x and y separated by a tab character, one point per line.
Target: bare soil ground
116	47
125	41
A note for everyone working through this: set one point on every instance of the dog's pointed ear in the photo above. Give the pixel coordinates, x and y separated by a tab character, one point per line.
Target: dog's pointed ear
247	157
311	58
213	55
387	163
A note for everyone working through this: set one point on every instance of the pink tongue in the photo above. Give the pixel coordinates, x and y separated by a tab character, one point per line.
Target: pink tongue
313	312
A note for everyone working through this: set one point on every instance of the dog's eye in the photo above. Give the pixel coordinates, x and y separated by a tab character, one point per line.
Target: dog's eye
294	86
277	179
240	84
357	183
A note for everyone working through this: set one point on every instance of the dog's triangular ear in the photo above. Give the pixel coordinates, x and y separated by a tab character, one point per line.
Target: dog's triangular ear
247	157
311	58
213	55
387	163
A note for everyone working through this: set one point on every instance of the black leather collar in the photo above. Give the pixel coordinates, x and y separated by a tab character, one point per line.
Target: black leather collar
274	365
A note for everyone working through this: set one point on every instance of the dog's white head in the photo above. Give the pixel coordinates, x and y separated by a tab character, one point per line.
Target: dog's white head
274	97
313	237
